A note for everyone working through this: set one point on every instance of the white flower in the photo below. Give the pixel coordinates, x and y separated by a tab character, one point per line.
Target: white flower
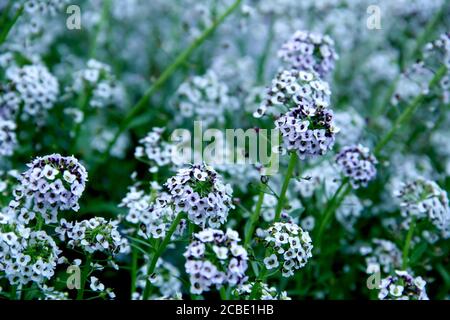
271	262
96	285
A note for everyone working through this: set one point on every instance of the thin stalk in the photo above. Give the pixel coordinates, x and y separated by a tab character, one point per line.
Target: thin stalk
409	111
287	178
84	106
422	39
84	276
159	252
134	263
102	23
5	32
223	293
254	219
13	294
332	206
167	73
258	284
263	58
406	247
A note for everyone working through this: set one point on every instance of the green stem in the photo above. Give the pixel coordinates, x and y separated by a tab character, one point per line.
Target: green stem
407	245
409	111
134	263
223	293
254	218
179	61
85	273
422	39
265	54
102	23
287	178
5	32
256	290
13	294
84	107
159	252
331	207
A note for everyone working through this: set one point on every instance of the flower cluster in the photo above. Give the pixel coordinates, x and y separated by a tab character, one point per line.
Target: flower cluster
214	258
309	132
412	82
93	235
204	98
8	139
358	164
349	212
50	7
32	88
309	51
199	191
289	246
51	184
293	89
267	293
383	256
424	199
97	79
148	215
154	150
402	286
440	50
25	255
354	126
166	278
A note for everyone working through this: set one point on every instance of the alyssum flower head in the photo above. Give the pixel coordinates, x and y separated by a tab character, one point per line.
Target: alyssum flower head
309	51
52	183
214	258
147	212
267	293
288	247
31	86
155	150
26	255
308	131
93	235
402	286
199	191
424	199
8	140
292	89
358	164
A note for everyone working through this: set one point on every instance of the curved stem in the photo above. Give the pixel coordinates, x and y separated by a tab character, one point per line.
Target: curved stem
409	236
159	252
254	218
331	207
84	276
84	107
287	178
134	260
5	32
409	111
179	61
